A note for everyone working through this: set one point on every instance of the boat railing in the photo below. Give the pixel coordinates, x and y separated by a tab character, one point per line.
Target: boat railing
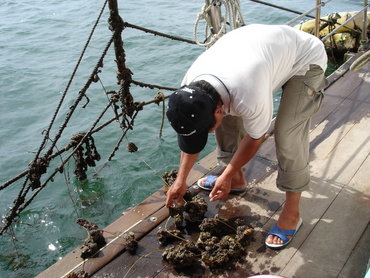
364	12
317	8
320	4
317	17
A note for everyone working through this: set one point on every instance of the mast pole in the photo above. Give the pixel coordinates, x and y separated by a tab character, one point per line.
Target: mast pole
215	15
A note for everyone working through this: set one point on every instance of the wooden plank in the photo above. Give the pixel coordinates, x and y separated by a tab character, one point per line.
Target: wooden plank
343	89
202	168
357	264
313	205
258	169
117	245
361	180
341	162
143	264
350	110
257	207
328	246
338	88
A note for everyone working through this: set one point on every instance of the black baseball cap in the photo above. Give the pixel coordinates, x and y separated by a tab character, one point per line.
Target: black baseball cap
191	114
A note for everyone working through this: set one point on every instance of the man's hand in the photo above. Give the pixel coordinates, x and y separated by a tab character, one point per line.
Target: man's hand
178	188
175	194
221	189
246	150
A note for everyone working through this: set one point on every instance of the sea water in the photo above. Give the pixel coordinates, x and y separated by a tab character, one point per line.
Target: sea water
40	42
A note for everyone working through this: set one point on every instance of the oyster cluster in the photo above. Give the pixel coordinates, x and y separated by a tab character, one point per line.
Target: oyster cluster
186	253
195	208
223	252
80	274
177	213
94	241
131	243
220	243
169	236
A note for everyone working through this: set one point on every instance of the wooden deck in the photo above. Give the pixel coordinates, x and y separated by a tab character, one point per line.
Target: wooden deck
334	240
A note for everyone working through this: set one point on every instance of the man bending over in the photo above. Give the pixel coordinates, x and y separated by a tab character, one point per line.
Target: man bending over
229	89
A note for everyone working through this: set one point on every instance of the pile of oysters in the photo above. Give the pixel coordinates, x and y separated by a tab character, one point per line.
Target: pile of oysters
220	243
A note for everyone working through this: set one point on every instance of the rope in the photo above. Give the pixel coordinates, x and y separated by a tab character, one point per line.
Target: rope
126	24
70	81
122	136
232	18
14	179
21	203
81	94
35	164
152	86
36	184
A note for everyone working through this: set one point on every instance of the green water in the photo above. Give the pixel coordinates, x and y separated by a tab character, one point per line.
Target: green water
40	42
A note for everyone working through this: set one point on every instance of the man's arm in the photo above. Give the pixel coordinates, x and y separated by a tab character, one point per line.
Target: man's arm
178	188
245	152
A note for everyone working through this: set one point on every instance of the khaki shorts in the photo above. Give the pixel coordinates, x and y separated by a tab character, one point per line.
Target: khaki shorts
301	98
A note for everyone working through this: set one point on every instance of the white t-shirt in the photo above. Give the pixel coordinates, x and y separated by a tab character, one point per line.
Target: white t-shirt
247	65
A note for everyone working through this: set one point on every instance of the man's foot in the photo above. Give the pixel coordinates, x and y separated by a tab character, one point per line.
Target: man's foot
289	220
280	238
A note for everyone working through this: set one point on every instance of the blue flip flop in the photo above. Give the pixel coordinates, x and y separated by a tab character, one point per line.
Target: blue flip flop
209	183
283	235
